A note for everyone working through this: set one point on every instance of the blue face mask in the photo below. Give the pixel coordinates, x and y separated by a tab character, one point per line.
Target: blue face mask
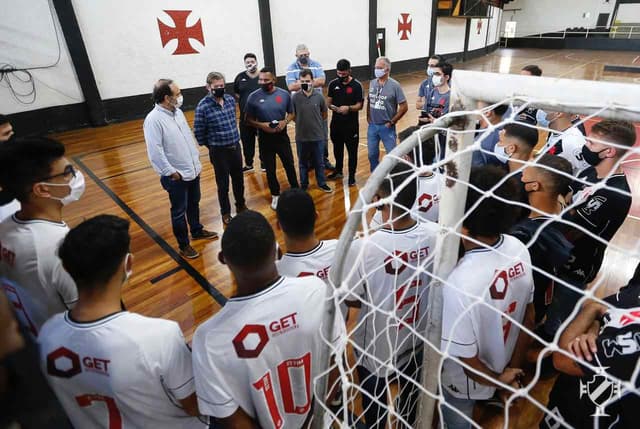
379	73
542	119
430	71
501	153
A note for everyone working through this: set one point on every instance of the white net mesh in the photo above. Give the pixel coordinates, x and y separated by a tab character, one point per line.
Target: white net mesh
410	281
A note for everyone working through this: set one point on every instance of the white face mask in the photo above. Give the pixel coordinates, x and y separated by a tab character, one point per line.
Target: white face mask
437	80
501	153
76	184
127	273
379	73
430	71
179	101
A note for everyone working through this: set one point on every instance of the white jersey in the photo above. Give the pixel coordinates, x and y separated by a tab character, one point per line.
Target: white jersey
568	145
427	205
29	259
381	275
122	371
9	209
315	262
502	276
259	353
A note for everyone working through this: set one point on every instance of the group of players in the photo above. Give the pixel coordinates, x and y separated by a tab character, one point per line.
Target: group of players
533	237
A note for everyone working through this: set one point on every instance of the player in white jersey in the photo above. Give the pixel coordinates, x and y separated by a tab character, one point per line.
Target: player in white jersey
489	286
306	255
567	141
392	296
36	172
255	361
108	367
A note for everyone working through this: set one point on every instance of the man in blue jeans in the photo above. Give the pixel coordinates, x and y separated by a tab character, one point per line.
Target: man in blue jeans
310	112
174	156
386	104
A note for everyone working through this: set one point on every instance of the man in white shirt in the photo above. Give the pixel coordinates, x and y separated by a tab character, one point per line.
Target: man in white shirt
493	280
567	140
173	154
255	361
305	254
37	173
109	367
385	283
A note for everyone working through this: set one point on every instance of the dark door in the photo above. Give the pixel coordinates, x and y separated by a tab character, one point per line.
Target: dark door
603	19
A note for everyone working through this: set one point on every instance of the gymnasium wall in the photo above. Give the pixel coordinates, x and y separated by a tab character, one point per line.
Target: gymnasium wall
121	47
542	16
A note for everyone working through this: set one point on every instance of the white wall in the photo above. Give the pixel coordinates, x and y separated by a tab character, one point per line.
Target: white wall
478	35
494	25
450	35
417	44
27	40
332	29
123	42
541	16
628	13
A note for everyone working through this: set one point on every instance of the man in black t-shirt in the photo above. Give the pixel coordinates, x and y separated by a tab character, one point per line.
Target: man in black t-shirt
597	209
608	338
345	99
244	84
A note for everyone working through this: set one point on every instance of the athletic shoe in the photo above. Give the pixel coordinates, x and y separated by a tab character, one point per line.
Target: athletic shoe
189	252
335	176
247	168
226	219
204	234
326	188
274	201
352	181
328	165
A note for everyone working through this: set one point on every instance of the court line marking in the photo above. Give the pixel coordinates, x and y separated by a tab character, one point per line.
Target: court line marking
135	170
182	263
635	59
163	276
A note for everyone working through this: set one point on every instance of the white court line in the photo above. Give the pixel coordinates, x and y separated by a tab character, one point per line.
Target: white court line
347	196
635	59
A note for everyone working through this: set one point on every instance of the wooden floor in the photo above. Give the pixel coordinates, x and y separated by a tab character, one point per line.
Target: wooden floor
120	181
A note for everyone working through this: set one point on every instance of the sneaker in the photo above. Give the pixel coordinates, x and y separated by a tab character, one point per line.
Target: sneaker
352	181
189	252
226	219
326	188
274	202
204	234
262	168
247	168
335	176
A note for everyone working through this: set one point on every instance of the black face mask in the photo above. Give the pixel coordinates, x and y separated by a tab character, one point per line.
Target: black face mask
267	86
306	86
303	59
592	158
218	92
344	79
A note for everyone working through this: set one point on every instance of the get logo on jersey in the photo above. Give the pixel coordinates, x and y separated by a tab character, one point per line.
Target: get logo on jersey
65	363
253	338
398	262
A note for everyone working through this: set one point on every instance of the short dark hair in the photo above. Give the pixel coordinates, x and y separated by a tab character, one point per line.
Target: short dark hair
161	89
296	213
26	162
343	65
400	174
440	58
3	119
619	132
527	135
533	69
446	68
248	240
93	251
268	69
306	72
492	217
427	147
501	109
556	182
250	55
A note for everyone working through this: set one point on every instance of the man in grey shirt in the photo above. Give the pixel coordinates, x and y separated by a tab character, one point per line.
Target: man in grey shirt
386	104
310	114
174	156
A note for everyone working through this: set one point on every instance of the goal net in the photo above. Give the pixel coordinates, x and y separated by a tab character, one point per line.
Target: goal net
440	326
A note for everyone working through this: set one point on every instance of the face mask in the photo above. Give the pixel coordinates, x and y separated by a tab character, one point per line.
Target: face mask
501	154
267	86
307	87
437	80
430	71
127	273
592	158
344	79
251	68
303	59
76	185
218	92
179	101
379	73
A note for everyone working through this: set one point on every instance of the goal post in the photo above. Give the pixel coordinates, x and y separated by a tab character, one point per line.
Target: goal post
604	100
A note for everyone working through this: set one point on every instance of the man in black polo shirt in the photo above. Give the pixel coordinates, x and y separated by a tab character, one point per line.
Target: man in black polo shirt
345	99
245	83
598	209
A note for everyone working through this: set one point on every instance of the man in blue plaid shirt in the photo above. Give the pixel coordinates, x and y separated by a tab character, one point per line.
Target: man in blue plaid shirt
215	127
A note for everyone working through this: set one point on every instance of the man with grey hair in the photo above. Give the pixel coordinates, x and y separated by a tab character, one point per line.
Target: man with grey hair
293	84
215	127
386	104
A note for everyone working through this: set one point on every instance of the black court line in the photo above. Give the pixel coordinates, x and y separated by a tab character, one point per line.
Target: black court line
163	276
624	69
135	170
199	278
107	149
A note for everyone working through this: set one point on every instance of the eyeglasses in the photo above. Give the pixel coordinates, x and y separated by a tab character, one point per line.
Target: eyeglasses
68	170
